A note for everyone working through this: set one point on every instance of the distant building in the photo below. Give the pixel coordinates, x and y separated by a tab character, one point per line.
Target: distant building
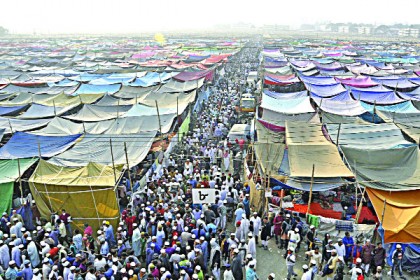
272	28
364	30
409	32
343	29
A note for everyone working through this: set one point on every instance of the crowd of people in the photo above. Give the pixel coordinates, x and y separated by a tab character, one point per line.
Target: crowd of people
162	234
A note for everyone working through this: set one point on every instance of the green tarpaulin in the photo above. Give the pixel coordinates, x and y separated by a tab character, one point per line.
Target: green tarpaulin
9	173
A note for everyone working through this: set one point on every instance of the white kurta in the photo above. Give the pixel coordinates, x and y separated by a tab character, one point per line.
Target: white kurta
4	256
252	249
33	254
136	242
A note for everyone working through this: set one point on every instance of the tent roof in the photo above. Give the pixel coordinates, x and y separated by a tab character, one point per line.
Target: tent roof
26	145
97	148
401	220
9	168
92	113
307	147
289	106
177	86
92	174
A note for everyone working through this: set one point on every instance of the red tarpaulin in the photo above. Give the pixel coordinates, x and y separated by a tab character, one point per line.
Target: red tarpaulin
191	76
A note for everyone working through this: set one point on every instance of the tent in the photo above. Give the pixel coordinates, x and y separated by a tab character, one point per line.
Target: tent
152	78
38	111
93	113
308	147
325	90
98	148
290	106
26	145
87	193
96	89
13	125
9	173
401	214
176	86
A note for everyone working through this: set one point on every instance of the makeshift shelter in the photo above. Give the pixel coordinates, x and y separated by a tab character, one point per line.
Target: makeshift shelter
107	149
94	113
308	147
177	86
87	193
399	213
10	171
26	145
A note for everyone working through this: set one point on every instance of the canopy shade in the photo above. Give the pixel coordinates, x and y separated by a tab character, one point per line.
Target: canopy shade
308	147
97	148
26	145
401	214
85	192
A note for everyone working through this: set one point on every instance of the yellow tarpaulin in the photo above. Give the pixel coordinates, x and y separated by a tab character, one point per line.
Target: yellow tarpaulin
307	146
87	193
401	219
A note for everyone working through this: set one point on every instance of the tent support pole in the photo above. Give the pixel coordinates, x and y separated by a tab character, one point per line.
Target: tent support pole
338	133
39	149
359	210
310	190
374	111
10	124
128	166
55	110
160	125
383	213
113	163
20	178
177	113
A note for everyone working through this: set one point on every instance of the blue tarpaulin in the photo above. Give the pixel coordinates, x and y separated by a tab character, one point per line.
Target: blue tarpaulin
326	90
378	95
91	89
318	80
26	145
10	111
152	78
411	259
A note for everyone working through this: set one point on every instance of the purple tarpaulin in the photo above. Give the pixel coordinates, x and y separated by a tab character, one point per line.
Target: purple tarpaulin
328	67
359	82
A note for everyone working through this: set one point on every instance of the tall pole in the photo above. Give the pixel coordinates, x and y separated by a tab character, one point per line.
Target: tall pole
55	110
383	213
113	163
128	166
20	178
338	133
160	125
359	210
310	190
10	125
374	110
177	108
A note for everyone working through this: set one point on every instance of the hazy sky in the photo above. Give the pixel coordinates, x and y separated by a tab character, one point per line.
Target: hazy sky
132	16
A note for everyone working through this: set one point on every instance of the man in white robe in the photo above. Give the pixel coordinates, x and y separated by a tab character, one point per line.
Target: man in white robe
136	241
33	252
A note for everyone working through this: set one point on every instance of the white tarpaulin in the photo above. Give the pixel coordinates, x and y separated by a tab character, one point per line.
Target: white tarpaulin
97	148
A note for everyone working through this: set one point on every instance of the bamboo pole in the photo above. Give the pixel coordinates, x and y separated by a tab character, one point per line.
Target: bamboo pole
177	112
338	133
310	190
359	209
55	110
383	213
20	179
113	163
160	125
128	166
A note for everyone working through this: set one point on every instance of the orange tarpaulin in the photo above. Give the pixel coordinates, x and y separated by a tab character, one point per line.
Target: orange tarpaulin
401	220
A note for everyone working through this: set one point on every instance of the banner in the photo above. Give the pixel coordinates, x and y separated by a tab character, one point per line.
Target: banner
201	196
184	128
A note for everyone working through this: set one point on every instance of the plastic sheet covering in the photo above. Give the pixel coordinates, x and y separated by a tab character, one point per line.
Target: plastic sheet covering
38	90
378	95
26	145
9	171
372	136
176	86
93	113
13	125
108	100
398	83
131	92
401	209
386	169
91	89
153	78
318	80
326	90
38	111
97	148
142	110
284	95
85	192
333	118
169	100
308	146
11	111
359	82
289	106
